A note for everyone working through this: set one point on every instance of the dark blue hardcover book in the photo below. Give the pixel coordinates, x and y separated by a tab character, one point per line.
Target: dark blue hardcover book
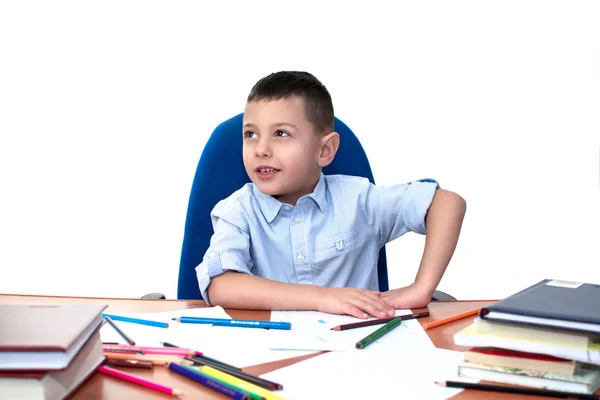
551	303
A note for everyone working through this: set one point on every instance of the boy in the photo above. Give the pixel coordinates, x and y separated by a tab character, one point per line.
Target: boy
295	239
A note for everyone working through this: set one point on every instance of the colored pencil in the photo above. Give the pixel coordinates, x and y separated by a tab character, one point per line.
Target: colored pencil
119	331
117	362
139	381
152	350
140	321
240	323
155	359
254	390
258	381
517	390
361	344
452	318
209	382
378	321
202	356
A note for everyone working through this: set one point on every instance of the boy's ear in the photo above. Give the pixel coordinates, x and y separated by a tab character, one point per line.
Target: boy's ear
329	146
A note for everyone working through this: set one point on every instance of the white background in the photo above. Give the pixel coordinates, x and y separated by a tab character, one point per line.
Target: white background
105	108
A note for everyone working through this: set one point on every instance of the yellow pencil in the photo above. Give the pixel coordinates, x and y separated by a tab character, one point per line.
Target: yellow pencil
240	383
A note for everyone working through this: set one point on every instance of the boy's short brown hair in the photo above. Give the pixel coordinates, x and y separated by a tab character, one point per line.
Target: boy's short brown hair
284	84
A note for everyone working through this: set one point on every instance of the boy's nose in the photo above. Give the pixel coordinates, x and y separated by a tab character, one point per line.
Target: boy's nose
263	149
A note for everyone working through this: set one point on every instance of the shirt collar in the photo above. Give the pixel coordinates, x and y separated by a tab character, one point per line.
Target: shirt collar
270	206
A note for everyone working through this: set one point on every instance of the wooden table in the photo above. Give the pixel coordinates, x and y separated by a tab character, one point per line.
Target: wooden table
100	387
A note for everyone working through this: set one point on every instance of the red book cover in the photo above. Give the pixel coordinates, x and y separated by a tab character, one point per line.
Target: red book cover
517	354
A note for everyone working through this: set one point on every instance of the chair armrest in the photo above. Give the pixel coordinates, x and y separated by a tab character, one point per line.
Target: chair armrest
439	295
154	296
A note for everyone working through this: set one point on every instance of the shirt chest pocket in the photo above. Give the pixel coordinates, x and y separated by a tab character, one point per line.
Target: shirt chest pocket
336	246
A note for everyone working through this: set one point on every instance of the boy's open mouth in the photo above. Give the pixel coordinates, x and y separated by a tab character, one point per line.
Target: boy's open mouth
266	172
266	169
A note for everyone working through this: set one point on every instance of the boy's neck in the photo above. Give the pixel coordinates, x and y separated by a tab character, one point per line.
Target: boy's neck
297	196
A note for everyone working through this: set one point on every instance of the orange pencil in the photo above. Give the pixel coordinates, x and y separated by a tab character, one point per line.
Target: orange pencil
453	318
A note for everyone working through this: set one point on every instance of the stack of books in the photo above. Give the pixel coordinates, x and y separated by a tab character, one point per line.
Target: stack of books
545	336
48	351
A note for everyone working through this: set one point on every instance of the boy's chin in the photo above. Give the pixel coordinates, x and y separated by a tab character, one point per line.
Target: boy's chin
265	189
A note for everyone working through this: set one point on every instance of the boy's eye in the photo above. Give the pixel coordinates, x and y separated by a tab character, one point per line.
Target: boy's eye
249	134
281	133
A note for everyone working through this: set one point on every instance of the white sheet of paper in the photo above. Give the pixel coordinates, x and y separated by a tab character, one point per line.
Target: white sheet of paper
338	375
311	330
241	347
176	333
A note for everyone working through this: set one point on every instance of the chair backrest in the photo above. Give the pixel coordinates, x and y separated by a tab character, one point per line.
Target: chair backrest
221	172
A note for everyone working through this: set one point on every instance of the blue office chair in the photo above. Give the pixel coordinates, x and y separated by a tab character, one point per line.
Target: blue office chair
221	172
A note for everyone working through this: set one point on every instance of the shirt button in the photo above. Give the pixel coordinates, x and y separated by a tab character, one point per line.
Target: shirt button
297	219
300	258
212	254
287	207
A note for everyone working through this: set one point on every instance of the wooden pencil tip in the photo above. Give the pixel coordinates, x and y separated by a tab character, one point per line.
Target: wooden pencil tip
441	383
178	393
335	328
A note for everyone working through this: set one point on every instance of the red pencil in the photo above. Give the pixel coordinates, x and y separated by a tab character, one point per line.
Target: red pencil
139	381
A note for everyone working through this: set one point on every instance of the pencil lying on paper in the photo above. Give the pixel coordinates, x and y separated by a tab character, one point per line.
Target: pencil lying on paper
253	391
453	318
378	321
210	382
167	351
204	357
257	380
155	359
119	331
140	321
129	363
378	333
241	323
517	390
139	381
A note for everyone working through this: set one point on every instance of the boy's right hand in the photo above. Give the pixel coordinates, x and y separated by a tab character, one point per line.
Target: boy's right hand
359	303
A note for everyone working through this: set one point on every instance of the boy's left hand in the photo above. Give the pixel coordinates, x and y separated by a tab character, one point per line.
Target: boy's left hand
413	296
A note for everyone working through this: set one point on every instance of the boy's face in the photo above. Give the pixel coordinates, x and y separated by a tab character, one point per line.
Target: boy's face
281	149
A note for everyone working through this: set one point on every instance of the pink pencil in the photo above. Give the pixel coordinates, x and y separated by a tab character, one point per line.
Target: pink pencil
168	351
139	381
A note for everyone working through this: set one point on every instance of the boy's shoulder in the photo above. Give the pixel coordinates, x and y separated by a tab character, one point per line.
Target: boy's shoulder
345	185
346	180
235	202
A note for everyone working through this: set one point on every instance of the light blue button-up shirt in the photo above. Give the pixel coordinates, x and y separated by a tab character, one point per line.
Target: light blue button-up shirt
331	238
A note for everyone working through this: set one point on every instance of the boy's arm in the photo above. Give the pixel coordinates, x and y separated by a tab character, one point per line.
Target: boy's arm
444	220
243	291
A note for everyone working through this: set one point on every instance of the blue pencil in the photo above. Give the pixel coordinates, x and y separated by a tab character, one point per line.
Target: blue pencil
206	381
137	321
242	323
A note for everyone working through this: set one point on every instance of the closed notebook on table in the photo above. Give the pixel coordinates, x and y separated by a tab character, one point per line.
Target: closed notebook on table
586	380
45	337
521	360
470	337
572	306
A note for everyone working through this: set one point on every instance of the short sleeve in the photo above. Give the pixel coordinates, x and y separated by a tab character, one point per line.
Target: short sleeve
229	250
395	210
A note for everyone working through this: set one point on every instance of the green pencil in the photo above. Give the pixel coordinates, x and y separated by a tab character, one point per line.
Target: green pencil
378	333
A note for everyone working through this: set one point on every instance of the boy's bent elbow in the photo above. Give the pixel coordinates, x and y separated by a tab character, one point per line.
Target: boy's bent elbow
461	204
454	201
219	288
